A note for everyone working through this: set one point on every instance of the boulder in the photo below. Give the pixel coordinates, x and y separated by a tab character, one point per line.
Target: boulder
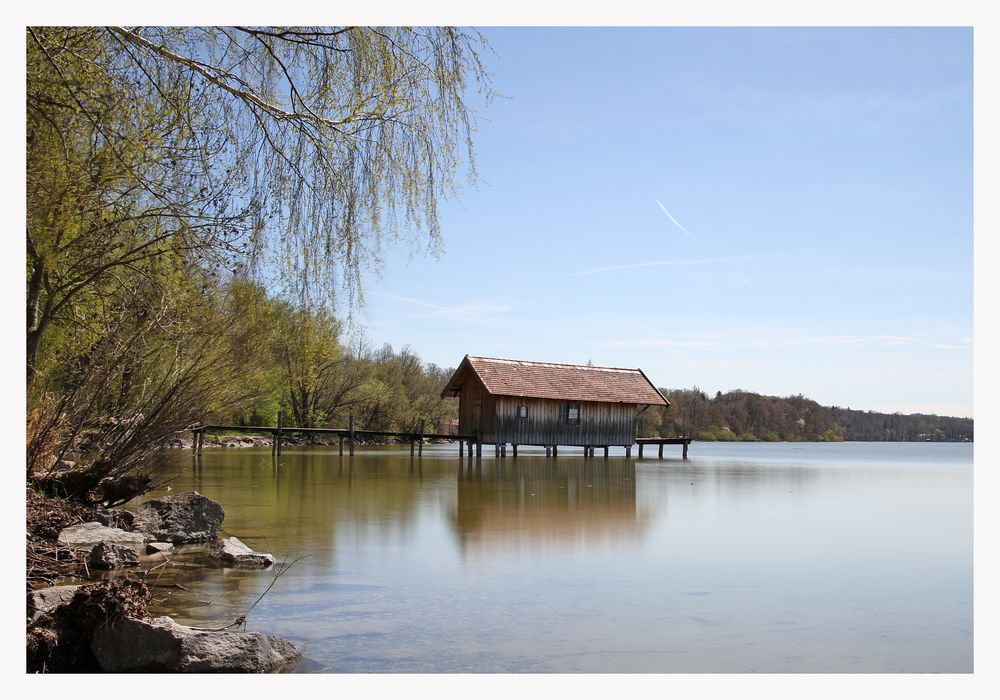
159	645
233	552
115	518
85	536
184	517
46	600
108	555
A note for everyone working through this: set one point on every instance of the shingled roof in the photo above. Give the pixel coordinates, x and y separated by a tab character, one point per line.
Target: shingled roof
548	380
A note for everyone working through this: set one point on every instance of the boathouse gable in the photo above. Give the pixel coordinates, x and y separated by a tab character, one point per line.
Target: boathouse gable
534	403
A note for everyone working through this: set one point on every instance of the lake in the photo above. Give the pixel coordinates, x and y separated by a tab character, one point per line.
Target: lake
748	558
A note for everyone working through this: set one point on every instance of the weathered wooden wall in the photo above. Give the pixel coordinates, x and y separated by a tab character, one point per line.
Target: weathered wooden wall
600	423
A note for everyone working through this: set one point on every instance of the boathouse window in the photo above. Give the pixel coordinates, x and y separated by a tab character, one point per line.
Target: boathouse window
572	414
522	411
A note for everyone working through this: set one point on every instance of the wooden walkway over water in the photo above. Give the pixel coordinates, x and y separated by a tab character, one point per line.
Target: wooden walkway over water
350	435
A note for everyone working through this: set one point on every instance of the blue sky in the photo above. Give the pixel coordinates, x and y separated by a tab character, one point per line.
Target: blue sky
777	210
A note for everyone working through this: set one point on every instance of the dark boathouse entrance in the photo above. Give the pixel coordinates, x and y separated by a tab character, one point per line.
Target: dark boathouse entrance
546	404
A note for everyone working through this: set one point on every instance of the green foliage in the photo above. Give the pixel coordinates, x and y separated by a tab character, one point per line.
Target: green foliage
707	436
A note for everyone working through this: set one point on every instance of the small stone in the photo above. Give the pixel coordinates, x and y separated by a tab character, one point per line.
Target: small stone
108	555
232	551
180	518
45	600
159	548
85	536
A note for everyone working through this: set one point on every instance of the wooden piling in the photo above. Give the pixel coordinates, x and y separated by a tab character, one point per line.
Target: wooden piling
555	451
640	450
548	452
685	450
628	451
513	448
605	452
420	451
281	417
341	445
350	428
661	451
479	448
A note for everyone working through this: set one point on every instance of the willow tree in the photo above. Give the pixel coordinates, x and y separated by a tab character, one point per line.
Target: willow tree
292	154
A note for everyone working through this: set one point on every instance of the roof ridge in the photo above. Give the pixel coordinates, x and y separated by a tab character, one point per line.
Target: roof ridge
539	363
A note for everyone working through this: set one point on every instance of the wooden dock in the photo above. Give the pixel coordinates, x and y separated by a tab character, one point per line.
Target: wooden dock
348	434
685	441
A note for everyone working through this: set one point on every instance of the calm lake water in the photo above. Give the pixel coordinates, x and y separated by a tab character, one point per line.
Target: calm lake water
849	557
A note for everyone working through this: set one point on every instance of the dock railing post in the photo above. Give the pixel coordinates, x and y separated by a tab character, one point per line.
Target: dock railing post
281	415
350	429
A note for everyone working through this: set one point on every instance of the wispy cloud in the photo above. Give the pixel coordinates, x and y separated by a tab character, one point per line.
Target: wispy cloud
661	343
471	309
698	261
816	341
678	225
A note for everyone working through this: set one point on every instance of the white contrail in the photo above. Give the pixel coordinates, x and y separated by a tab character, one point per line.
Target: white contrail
678	224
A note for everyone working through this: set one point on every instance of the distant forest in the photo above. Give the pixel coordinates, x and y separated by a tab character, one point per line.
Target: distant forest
746	416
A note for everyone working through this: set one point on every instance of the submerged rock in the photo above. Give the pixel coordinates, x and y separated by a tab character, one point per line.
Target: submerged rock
85	536
163	645
185	517
159	548
232	551
108	555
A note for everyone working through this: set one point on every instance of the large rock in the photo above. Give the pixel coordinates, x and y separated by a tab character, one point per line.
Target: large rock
46	600
108	555
184	517
85	536
233	552
129	646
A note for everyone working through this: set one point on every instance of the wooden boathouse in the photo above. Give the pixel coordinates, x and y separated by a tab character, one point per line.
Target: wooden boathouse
545	404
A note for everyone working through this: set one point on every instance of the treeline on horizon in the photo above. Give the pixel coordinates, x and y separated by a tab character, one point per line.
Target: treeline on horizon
746	416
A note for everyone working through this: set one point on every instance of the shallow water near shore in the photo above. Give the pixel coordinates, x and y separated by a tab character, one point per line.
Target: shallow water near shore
841	557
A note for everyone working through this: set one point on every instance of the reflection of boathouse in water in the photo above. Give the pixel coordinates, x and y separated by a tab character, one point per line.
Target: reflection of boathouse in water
537	502
548	404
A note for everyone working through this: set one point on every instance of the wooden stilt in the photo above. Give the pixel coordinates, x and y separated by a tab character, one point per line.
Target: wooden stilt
350	438
496	450
548	451
628	451
513	448
640	450
469	444
479	449
686	450
420	450
281	416
661	451
605	452
461	448
341	445
555	451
